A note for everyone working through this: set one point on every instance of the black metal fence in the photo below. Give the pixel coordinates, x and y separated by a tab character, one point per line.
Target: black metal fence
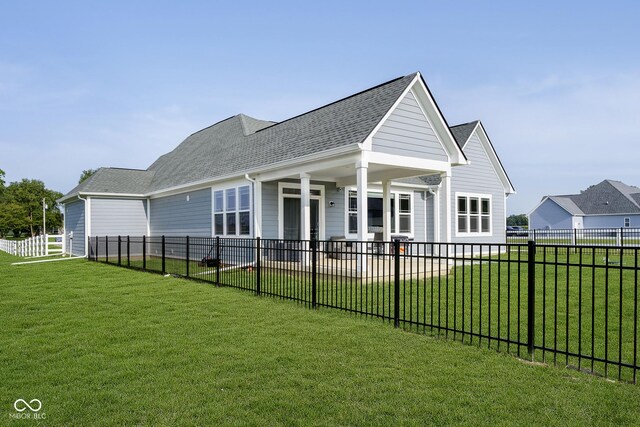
571	305
587	236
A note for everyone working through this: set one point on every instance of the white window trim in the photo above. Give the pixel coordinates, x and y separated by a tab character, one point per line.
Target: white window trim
237	210
491	213
281	196
396	214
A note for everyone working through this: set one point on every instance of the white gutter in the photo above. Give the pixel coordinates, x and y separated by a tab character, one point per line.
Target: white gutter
87	226
257	205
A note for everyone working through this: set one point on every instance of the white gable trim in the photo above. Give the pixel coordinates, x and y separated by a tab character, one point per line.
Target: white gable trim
438	122
493	157
426	116
368	142
431	113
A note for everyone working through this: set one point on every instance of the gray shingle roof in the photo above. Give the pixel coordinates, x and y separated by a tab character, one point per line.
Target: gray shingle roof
567	204
462	132
115	180
230	146
607	197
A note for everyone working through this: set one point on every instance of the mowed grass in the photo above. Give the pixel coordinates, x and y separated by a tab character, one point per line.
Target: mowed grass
586	302
101	345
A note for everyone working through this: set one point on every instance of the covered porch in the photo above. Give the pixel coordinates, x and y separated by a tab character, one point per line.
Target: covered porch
355	176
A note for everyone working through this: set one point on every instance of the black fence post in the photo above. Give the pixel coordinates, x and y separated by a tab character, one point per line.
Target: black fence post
96	252
396	283
163	257
128	252
106	249
218	261
531	297
621	237
258	240
187	272
314	272
144	252
119	251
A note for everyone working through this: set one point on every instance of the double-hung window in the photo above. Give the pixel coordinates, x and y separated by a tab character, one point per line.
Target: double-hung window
400	212
473	214
218	212
232	211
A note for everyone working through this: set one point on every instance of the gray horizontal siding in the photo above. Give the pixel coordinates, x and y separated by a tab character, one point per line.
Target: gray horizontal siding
419	219
270	210
334	216
407	132
118	217
74	222
479	177
175	216
611	221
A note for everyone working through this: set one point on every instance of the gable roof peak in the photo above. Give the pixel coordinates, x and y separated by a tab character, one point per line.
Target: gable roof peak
463	131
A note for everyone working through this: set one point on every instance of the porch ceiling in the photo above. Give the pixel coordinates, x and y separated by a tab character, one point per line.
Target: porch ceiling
342	171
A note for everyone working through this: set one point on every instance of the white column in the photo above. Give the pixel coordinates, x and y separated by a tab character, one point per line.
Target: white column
363	230
305	207
305	216
386	209
446	186
257	209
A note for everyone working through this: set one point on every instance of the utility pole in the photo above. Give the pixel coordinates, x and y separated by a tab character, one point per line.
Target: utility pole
44	216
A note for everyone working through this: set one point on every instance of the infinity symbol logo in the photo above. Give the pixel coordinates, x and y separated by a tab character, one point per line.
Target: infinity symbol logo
21	405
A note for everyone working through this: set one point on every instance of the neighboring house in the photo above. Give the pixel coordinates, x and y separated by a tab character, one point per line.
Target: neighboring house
388	148
609	204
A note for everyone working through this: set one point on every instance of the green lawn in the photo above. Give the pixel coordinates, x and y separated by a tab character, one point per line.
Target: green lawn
102	345
487	299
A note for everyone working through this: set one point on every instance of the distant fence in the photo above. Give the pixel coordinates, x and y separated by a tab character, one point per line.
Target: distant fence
586	236
43	245
575	306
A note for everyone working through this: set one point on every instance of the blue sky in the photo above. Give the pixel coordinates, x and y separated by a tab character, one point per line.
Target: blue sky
84	85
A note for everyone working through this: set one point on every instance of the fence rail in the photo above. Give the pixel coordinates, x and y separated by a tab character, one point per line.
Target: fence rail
42	245
586	236
571	305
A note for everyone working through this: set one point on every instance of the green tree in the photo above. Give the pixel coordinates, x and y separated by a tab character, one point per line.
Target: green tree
86	174
519	220
22	210
1	185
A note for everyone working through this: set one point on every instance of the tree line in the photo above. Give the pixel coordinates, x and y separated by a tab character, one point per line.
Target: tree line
21	207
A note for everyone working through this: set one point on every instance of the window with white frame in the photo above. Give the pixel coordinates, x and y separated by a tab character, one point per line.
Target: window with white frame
232	211
627	222
473	213
401	212
218	212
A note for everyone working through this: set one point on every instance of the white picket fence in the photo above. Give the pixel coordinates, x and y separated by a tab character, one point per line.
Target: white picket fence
43	245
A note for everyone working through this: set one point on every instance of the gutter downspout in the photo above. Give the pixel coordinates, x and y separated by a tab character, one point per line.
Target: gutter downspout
257	205
86	228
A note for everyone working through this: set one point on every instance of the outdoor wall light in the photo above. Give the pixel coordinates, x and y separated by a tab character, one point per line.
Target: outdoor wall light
332	203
